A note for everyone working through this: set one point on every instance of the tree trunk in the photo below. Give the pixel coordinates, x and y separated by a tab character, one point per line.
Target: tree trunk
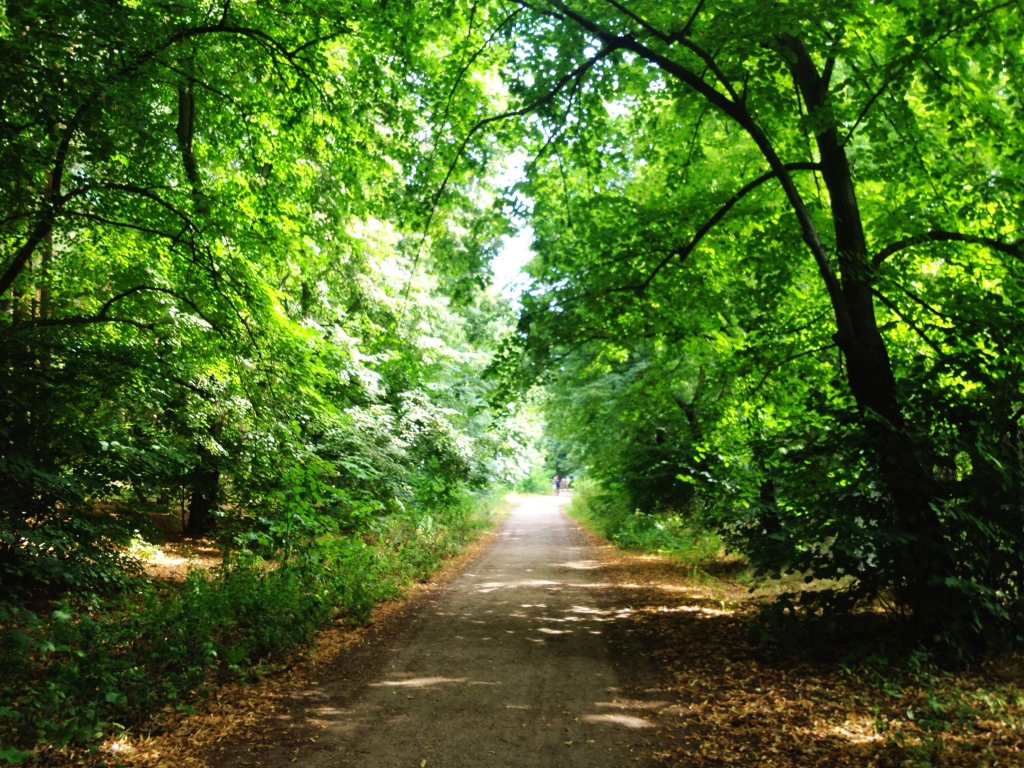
924	560
185	131
205	495
206	475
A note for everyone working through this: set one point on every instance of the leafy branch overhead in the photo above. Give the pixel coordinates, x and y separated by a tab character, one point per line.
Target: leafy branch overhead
868	449
246	296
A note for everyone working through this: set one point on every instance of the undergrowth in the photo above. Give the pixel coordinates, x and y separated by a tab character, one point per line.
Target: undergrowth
930	716
926	713
93	665
667	532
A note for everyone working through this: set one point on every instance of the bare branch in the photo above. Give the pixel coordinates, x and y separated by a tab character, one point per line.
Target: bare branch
39	233
102	316
711	64
918	300
693	143
174	238
867	105
50	322
687	76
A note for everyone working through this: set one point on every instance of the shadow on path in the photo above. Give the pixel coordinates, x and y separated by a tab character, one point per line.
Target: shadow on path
523	660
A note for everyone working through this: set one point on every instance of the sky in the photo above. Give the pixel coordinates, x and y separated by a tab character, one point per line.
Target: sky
515	252
509	263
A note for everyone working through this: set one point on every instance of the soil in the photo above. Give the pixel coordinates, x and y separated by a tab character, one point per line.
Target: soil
525	659
545	646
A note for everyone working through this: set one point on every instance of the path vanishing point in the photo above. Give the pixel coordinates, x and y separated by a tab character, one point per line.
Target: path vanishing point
518	661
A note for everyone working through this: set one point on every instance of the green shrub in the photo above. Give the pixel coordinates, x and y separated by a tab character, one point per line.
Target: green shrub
668	532
93	666
538	481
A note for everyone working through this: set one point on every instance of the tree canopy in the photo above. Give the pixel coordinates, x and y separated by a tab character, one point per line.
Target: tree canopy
776	287
225	281
778	279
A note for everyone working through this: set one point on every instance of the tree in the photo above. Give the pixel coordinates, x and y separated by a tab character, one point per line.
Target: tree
851	133
217	270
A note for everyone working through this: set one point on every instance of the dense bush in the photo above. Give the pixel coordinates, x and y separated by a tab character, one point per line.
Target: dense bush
684	537
91	666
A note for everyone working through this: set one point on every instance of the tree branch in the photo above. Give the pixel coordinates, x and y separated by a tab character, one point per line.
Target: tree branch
680	72
174	238
683	251
45	224
868	104
642	22
102	315
921	334
693	18
791	358
918	300
736	110
569	77
899	66
73	321
941	235
39	233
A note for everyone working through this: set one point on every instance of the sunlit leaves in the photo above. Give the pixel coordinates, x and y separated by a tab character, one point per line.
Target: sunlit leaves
736	334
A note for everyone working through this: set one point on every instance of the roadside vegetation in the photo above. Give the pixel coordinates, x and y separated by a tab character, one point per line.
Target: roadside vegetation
247	306
669	533
744	684
87	669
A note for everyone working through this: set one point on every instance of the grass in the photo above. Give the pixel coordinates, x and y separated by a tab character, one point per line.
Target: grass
94	666
667	533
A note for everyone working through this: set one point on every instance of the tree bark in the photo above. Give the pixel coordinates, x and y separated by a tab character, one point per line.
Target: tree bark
185	131
925	559
205	495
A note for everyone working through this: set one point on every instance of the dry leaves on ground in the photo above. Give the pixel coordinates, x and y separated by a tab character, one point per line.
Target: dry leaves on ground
737	702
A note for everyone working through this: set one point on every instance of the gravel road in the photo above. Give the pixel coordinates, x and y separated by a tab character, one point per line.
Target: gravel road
519	661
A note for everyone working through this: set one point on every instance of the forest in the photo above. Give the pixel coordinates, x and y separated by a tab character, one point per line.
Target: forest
248	303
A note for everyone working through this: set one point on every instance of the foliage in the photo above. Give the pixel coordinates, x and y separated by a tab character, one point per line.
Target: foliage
243	276
920	709
777	266
683	537
206	301
239	283
97	665
538	481
841	707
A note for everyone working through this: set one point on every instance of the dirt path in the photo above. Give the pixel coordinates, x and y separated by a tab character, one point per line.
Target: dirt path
555	649
520	661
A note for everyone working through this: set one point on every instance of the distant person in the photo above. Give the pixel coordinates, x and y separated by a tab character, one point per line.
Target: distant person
556	484
564	483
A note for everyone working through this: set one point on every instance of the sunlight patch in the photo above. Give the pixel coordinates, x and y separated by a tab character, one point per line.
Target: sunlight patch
629	721
419	682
